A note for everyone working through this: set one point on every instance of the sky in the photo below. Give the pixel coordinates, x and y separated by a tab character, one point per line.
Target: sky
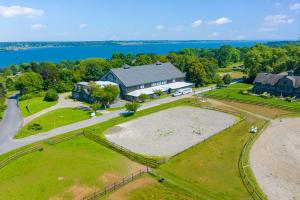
95	20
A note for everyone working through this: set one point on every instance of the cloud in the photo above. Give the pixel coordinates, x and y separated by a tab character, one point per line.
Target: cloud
221	21
215	34
14	11
158	27
197	23
280	19
38	27
294	6
81	26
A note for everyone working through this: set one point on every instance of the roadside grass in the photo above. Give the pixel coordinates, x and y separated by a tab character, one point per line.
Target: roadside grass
34	105
232	93
68	170
148	187
209	170
54	119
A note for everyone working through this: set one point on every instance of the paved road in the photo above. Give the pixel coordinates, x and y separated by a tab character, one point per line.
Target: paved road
11	122
9	143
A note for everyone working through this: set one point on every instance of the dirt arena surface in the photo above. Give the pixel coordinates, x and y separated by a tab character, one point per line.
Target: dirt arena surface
169	132
275	159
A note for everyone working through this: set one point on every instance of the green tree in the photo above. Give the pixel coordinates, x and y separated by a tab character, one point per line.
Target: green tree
51	95
196	73
50	75
105	95
29	83
95	107
93	69
158	92
227	55
144	59
227	79
9	83
143	97
132	106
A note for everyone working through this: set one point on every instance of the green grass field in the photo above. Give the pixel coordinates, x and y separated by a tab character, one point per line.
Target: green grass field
232	93
34	105
54	119
68	170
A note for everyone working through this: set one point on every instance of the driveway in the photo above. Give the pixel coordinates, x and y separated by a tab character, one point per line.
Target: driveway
8	143
12	120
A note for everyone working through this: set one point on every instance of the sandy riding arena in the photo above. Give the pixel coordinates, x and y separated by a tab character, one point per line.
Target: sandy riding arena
275	160
170	131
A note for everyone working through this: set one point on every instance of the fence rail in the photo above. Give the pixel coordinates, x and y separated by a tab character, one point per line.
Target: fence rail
19	154
284	107
116	185
148	161
62	139
244	163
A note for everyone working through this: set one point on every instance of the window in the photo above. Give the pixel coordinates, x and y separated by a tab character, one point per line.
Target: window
142	86
173	80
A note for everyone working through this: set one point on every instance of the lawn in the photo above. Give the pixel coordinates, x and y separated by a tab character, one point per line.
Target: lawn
232	93
34	105
54	119
148	188
68	170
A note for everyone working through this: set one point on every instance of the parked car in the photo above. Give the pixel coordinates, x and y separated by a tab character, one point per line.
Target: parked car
182	92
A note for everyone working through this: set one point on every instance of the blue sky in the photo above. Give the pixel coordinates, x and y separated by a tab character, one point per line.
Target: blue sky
57	20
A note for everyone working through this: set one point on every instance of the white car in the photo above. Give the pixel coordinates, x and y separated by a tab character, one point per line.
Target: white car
177	94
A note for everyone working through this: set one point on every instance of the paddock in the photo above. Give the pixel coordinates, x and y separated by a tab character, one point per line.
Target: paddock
275	159
170	131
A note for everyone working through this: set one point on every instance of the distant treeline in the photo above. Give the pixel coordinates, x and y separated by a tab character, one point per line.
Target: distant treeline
200	66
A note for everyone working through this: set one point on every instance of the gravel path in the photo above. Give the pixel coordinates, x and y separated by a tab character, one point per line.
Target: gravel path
170	131
275	159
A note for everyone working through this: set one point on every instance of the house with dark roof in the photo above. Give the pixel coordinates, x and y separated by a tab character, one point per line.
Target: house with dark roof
146	79
283	84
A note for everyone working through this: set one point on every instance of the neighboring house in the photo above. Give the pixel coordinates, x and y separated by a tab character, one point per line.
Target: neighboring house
145	79
82	92
284	84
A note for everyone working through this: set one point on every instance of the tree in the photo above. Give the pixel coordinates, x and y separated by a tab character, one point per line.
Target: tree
132	107
104	95
2	91
93	69
227	55
158	92
50	75
29	83
144	59
51	95
143	97
95	107
9	83
196	73
227	79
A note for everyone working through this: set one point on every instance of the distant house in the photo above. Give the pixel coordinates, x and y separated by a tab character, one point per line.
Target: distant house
145	79
81	91
284	84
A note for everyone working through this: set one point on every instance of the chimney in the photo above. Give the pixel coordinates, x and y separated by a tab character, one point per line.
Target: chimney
158	63
126	66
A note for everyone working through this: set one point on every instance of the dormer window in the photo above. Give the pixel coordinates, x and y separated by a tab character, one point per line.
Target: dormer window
142	86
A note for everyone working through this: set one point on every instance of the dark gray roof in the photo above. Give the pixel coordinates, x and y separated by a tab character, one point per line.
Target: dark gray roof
272	79
137	75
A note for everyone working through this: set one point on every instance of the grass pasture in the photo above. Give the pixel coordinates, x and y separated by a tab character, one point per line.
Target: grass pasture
34	105
68	170
54	119
232	93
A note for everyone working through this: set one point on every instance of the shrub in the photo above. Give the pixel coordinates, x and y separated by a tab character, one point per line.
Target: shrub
132	107
143	97
34	127
227	79
158	92
51	95
31	95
